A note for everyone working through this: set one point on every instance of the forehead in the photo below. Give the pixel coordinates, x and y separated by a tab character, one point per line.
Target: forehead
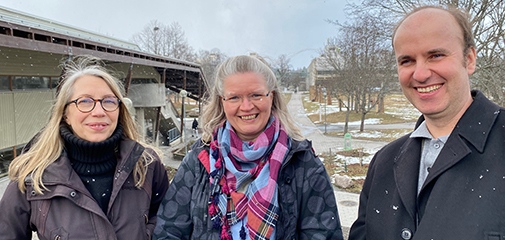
244	83
90	85
429	24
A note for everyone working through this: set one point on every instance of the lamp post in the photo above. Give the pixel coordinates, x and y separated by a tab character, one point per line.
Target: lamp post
155	29
325	103
183	93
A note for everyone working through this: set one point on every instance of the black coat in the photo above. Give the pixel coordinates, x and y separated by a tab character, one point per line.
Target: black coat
463	196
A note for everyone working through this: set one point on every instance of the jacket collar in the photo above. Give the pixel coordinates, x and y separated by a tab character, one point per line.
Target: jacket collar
473	128
61	172
478	120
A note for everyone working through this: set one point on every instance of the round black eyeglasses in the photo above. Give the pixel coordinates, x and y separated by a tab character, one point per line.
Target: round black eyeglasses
87	104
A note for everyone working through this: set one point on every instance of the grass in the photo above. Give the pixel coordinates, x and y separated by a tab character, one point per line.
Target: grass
397	110
170	172
384	135
357	172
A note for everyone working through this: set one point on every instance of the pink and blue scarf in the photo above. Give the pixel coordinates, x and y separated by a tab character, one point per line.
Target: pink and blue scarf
252	168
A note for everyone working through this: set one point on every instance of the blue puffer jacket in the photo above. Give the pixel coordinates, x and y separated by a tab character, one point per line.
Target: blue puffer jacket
306	199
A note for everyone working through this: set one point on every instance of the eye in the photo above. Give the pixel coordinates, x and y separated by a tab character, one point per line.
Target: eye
110	100
438	55
232	98
85	101
404	62
256	96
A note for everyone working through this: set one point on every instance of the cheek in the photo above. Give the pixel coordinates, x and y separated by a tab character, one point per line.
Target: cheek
229	111
114	117
403	77
68	117
72	117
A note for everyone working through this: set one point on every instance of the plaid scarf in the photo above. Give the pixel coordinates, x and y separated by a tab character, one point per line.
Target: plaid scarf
254	166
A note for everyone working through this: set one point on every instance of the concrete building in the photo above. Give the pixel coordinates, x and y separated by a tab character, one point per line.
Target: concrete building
31	51
321	79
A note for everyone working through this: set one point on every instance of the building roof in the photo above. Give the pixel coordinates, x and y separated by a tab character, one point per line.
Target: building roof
31	21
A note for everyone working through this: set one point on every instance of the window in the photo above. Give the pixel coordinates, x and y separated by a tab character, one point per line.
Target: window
54	82
4	83
25	82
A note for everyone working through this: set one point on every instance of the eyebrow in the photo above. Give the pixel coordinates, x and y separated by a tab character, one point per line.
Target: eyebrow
402	57
438	50
430	52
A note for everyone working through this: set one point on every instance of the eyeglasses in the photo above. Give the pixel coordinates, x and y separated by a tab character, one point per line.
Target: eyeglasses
87	104
253	97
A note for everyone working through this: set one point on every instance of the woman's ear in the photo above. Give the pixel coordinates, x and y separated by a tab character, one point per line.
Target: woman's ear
65	118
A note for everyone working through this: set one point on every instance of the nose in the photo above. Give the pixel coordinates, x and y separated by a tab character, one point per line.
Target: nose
98	110
422	72
246	104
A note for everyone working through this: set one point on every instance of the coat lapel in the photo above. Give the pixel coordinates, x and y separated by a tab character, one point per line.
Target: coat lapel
454	150
406	172
469	131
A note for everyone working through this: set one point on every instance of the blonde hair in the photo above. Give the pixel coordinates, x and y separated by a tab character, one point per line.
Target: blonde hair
48	145
213	112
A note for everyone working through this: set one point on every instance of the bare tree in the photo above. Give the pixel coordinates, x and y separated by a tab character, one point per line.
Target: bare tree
149	39
165	40
283	69
364	62
488	21
209	60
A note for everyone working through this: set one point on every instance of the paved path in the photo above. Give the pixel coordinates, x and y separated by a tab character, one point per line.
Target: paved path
347	202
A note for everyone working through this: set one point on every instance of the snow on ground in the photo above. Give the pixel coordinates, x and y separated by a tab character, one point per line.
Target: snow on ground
399	106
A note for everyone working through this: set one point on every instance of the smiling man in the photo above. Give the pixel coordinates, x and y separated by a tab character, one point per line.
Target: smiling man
446	179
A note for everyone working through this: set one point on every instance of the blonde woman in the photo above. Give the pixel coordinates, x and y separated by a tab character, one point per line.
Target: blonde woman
253	175
86	175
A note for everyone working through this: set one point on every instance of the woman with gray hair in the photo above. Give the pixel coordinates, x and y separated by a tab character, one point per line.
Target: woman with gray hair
86	175
252	175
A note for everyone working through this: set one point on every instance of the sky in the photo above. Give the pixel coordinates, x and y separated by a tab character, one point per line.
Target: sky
296	28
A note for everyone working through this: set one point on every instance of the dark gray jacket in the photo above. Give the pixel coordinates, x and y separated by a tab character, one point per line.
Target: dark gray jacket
68	211
306	199
463	196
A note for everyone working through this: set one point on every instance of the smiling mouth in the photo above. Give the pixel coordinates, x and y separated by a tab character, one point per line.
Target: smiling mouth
428	89
249	117
97	125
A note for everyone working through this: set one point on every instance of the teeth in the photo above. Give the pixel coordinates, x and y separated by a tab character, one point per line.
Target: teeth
428	89
249	117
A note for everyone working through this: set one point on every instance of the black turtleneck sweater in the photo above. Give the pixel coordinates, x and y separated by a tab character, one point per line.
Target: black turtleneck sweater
94	162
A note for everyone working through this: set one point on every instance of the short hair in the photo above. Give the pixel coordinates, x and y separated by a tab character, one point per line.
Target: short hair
47	146
213	111
462	18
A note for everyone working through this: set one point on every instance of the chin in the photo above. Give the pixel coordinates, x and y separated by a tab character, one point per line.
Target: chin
96	138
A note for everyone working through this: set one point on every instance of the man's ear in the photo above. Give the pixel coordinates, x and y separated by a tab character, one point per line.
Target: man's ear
471	60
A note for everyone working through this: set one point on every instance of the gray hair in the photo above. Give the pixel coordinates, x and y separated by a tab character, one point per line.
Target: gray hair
213	111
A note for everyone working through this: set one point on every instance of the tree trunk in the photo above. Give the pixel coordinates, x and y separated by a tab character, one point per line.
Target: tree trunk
362	125
346	125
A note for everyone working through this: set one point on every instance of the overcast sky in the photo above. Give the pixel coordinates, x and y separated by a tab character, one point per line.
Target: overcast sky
297	28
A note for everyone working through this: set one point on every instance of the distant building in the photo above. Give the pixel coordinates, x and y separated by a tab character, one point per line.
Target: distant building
321	75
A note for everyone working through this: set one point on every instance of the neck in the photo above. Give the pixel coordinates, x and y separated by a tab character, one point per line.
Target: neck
85	152
443	126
